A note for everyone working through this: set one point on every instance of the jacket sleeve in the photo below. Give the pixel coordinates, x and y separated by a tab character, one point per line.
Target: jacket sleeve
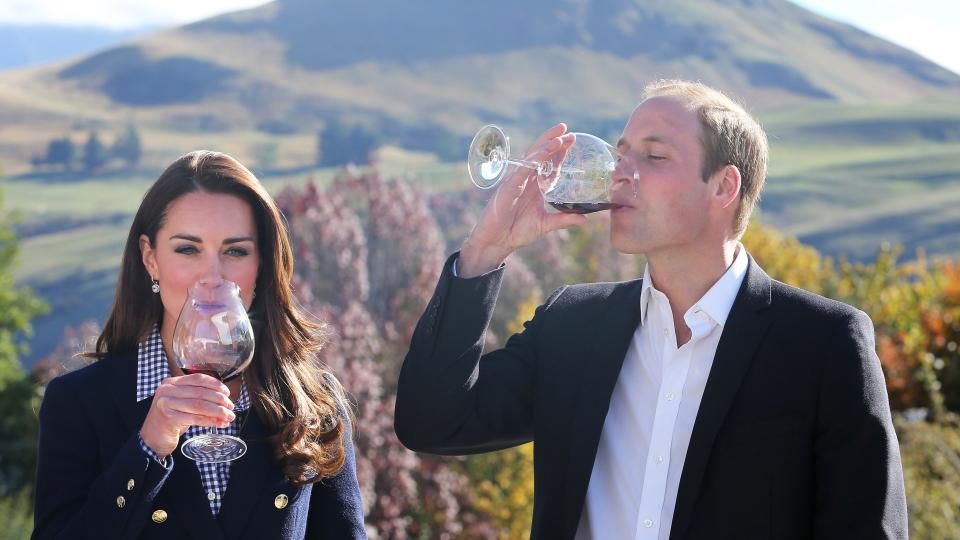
336	509
76	495
450	399
859	476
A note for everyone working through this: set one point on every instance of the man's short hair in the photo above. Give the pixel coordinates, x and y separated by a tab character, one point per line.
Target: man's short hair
729	136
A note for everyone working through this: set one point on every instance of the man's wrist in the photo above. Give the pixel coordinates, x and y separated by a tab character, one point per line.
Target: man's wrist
478	260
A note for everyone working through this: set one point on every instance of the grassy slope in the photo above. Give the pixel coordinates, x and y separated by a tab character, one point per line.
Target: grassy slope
846	179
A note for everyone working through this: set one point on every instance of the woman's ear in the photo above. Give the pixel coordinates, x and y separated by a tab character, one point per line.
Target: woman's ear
149	257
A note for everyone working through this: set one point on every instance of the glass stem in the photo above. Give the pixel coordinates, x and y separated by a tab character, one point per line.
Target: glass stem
543	168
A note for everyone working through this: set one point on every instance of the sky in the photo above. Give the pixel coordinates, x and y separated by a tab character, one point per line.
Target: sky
928	27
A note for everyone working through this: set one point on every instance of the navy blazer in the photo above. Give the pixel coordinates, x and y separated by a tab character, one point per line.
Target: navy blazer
94	480
793	438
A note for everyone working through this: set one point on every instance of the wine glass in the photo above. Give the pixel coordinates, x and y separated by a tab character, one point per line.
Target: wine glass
580	185
213	336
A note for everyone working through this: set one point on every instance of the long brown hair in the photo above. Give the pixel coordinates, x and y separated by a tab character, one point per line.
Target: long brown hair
298	399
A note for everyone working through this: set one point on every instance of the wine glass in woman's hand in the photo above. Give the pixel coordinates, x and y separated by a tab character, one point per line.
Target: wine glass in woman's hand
213	336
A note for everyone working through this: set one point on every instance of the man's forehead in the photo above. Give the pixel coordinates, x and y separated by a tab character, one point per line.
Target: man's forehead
661	119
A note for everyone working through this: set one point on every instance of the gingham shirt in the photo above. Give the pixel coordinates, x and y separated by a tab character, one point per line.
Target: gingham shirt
152	369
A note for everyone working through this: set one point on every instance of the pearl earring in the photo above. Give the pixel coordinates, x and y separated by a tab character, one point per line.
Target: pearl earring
155	287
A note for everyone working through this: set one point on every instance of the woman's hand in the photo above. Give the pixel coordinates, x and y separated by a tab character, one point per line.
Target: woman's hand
181	402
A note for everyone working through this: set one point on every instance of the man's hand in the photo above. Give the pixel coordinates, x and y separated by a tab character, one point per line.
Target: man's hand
516	216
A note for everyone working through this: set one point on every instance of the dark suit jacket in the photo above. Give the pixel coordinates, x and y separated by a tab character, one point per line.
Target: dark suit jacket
89	453
793	438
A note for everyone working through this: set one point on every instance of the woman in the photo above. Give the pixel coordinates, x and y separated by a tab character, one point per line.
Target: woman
108	465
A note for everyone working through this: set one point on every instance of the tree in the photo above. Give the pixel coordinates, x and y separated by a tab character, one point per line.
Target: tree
19	398
60	152
127	147
368	255
95	155
339	144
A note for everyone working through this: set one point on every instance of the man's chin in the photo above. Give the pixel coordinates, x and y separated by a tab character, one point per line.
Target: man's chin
624	243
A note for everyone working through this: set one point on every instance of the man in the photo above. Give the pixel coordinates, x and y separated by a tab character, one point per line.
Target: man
703	401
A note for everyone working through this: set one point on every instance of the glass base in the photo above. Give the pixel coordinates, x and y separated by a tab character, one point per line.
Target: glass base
488	156
211	448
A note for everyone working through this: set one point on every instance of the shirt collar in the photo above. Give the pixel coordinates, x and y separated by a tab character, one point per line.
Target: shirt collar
717	302
152	366
152	369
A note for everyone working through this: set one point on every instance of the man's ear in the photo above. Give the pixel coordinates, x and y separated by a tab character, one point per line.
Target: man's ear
149	257
728	186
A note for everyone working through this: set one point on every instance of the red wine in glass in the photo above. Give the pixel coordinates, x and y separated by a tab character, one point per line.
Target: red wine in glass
217	371
213	336
582	208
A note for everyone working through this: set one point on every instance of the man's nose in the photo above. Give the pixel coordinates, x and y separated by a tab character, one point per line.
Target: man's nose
624	175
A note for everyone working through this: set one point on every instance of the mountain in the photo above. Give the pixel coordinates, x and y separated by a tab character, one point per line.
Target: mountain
292	66
33	44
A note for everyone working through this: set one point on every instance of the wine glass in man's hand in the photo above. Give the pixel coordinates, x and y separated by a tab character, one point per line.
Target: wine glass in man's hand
213	336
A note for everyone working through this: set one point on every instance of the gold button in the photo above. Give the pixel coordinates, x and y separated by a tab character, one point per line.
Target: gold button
121	502
130	484
159	516
281	501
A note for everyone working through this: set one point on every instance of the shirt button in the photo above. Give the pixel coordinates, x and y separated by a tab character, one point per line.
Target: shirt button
648	523
211	496
669	396
666	332
659	459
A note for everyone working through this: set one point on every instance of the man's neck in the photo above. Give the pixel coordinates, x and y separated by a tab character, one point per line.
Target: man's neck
685	277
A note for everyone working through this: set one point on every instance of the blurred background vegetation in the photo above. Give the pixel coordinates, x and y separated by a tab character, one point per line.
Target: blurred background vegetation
361	131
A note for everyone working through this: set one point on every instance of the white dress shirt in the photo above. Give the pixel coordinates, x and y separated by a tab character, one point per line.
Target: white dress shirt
633	486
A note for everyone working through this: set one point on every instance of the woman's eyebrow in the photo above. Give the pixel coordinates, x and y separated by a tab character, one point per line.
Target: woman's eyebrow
197	239
238	239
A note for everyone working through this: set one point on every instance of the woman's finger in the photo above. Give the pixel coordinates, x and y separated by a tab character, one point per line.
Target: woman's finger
198	379
186	419
199	407
195	392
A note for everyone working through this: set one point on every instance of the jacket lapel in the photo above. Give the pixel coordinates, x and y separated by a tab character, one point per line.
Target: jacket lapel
741	336
184	488
124	389
615	329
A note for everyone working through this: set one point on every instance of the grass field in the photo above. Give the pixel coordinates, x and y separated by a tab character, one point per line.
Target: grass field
844	179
